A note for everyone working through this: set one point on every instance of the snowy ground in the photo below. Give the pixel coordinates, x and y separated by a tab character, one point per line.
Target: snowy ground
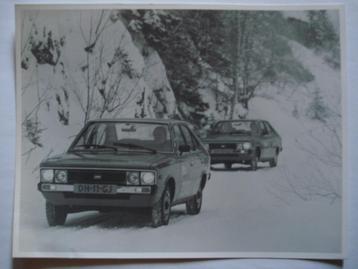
262	211
238	214
295	207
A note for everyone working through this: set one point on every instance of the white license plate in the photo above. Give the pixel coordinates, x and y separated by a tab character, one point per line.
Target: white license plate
95	188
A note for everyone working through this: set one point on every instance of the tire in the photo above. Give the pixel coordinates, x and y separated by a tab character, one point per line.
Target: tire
56	215
160	213
253	163
193	206
228	165
274	160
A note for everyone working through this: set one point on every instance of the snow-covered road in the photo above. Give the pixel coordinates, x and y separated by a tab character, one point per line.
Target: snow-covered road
240	213
294	207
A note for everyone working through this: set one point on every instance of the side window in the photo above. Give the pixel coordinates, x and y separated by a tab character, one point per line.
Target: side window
179	139
268	128
195	142
187	136
271	129
263	129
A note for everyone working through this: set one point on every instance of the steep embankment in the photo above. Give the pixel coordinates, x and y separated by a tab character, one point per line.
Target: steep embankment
312	146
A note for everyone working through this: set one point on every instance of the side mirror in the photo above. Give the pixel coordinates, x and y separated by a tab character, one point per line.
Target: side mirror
184	148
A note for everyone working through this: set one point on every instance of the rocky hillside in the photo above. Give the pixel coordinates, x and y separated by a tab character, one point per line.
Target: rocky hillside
82	65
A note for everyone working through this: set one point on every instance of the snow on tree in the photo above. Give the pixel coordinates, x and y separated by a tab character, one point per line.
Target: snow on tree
317	110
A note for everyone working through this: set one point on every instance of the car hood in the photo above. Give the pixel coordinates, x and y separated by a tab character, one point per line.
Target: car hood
227	138
130	160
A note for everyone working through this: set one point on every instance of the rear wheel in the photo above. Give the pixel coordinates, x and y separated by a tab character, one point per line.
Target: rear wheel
228	165
160	212
56	215
273	161
193	206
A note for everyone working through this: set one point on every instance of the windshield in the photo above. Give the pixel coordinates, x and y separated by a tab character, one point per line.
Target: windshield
125	136
234	127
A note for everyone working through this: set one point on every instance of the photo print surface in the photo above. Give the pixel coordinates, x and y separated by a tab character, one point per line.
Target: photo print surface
178	132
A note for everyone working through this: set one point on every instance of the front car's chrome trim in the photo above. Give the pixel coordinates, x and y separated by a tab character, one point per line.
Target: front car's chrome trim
50	187
108	169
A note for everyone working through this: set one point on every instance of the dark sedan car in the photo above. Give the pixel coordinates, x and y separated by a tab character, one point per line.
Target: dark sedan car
244	141
132	163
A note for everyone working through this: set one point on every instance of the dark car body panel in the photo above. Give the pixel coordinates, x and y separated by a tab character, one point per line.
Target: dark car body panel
141	160
186	169
223	147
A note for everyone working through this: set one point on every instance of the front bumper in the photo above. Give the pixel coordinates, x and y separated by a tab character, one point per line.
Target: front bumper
125	196
234	157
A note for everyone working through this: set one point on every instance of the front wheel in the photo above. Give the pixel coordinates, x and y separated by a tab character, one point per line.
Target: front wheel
56	215
253	163
161	211
274	160
193	206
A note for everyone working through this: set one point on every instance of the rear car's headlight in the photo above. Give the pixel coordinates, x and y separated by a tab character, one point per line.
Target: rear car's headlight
132	178
60	176
246	145
46	175
147	178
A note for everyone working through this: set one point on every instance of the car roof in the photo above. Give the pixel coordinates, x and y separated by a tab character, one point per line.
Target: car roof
146	120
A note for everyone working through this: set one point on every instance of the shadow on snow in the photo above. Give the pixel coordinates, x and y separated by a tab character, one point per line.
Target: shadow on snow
119	219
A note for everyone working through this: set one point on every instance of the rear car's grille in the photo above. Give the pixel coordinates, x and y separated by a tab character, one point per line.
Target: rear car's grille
222	146
93	176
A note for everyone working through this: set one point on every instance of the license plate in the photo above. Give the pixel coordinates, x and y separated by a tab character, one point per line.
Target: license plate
222	150
95	188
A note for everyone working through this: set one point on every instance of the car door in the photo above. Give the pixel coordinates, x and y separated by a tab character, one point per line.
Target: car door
183	161
274	139
201	160
195	162
271	141
265	141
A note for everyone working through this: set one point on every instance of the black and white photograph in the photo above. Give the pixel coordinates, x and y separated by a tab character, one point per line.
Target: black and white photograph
179	131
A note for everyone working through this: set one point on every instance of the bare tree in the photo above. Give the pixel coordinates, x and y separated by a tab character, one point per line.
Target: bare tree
105	92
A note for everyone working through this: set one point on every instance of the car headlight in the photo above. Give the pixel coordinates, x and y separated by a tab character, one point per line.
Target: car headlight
60	176
246	145
46	175
147	178
132	178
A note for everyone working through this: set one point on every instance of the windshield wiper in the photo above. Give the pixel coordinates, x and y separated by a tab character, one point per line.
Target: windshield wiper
135	146
95	146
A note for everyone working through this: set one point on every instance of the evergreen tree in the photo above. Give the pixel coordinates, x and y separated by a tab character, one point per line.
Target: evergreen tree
322	36
317	109
259	53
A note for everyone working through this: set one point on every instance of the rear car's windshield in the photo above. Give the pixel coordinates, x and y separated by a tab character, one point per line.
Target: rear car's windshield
234	127
125	136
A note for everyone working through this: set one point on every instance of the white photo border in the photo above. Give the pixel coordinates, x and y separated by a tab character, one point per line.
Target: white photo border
17	253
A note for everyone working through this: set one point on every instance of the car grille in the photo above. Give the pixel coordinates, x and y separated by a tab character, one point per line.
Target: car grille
222	146
94	176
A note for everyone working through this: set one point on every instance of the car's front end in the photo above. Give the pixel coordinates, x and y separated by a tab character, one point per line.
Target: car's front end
89	188
233	141
117	164
230	151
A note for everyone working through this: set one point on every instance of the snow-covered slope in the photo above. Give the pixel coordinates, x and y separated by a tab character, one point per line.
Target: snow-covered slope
314	146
